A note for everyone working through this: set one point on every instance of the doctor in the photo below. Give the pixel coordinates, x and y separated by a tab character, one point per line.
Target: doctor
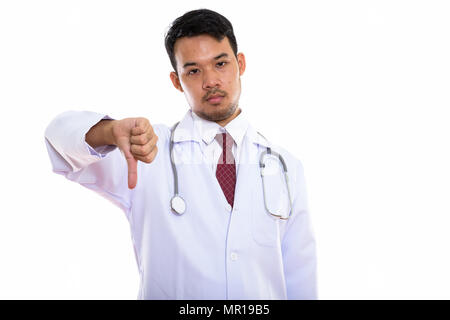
238	236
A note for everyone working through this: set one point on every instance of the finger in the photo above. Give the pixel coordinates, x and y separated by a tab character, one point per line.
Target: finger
124	145
142	138
148	158
141	126
132	170
142	150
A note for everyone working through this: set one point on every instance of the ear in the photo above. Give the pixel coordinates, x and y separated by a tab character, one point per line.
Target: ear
176	81
241	63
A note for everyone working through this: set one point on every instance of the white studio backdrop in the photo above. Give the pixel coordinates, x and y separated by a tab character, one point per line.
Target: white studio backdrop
357	90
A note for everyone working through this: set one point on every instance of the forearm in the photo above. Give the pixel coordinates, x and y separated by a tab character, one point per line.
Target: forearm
101	134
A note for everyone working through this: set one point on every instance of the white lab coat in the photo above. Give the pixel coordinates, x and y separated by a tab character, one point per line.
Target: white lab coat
211	251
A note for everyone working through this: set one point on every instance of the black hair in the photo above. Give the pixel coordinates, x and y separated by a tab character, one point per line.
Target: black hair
198	22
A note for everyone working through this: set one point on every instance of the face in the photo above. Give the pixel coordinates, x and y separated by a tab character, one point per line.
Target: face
209	76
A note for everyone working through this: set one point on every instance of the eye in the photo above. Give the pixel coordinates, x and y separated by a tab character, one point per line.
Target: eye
221	63
193	71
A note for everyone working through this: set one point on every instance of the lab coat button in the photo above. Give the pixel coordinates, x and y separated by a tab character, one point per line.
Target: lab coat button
228	207
234	256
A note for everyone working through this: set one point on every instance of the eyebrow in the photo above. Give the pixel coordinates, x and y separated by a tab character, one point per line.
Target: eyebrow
222	55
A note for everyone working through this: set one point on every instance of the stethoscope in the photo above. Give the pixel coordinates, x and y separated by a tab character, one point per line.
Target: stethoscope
178	204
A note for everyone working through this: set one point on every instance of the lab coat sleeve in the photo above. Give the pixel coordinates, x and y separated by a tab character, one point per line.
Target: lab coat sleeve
103	169
299	246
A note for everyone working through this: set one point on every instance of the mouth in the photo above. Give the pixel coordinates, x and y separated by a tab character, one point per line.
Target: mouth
215	99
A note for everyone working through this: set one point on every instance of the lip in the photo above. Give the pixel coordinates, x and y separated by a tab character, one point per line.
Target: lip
215	99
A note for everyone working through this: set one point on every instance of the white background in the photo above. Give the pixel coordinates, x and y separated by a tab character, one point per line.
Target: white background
357	90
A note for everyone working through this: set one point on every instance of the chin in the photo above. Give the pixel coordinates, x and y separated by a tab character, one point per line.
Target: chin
217	112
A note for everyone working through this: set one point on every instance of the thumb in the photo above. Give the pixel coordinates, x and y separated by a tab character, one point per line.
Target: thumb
132	169
131	163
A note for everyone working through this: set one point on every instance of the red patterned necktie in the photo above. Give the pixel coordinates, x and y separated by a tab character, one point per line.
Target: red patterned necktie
226	168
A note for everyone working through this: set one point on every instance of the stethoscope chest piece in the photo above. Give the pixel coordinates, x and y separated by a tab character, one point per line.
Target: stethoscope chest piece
178	205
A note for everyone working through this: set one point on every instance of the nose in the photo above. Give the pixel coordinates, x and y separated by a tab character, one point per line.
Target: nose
211	80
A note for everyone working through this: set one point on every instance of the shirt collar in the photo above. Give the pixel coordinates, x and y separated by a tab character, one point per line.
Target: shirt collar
208	130
194	128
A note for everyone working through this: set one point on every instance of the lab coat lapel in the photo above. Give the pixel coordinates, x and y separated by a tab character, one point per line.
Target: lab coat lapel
189	155
248	172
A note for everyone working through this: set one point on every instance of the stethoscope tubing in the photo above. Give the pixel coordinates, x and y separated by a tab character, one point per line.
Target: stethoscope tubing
178	205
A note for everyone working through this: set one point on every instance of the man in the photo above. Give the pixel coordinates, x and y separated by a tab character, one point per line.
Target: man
236	235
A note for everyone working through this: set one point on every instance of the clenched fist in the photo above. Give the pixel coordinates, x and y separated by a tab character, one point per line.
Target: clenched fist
134	137
137	140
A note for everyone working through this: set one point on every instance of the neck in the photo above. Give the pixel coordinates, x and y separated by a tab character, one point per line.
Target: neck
223	123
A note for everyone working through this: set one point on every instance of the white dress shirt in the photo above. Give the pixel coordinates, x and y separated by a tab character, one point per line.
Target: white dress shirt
212	251
211	147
